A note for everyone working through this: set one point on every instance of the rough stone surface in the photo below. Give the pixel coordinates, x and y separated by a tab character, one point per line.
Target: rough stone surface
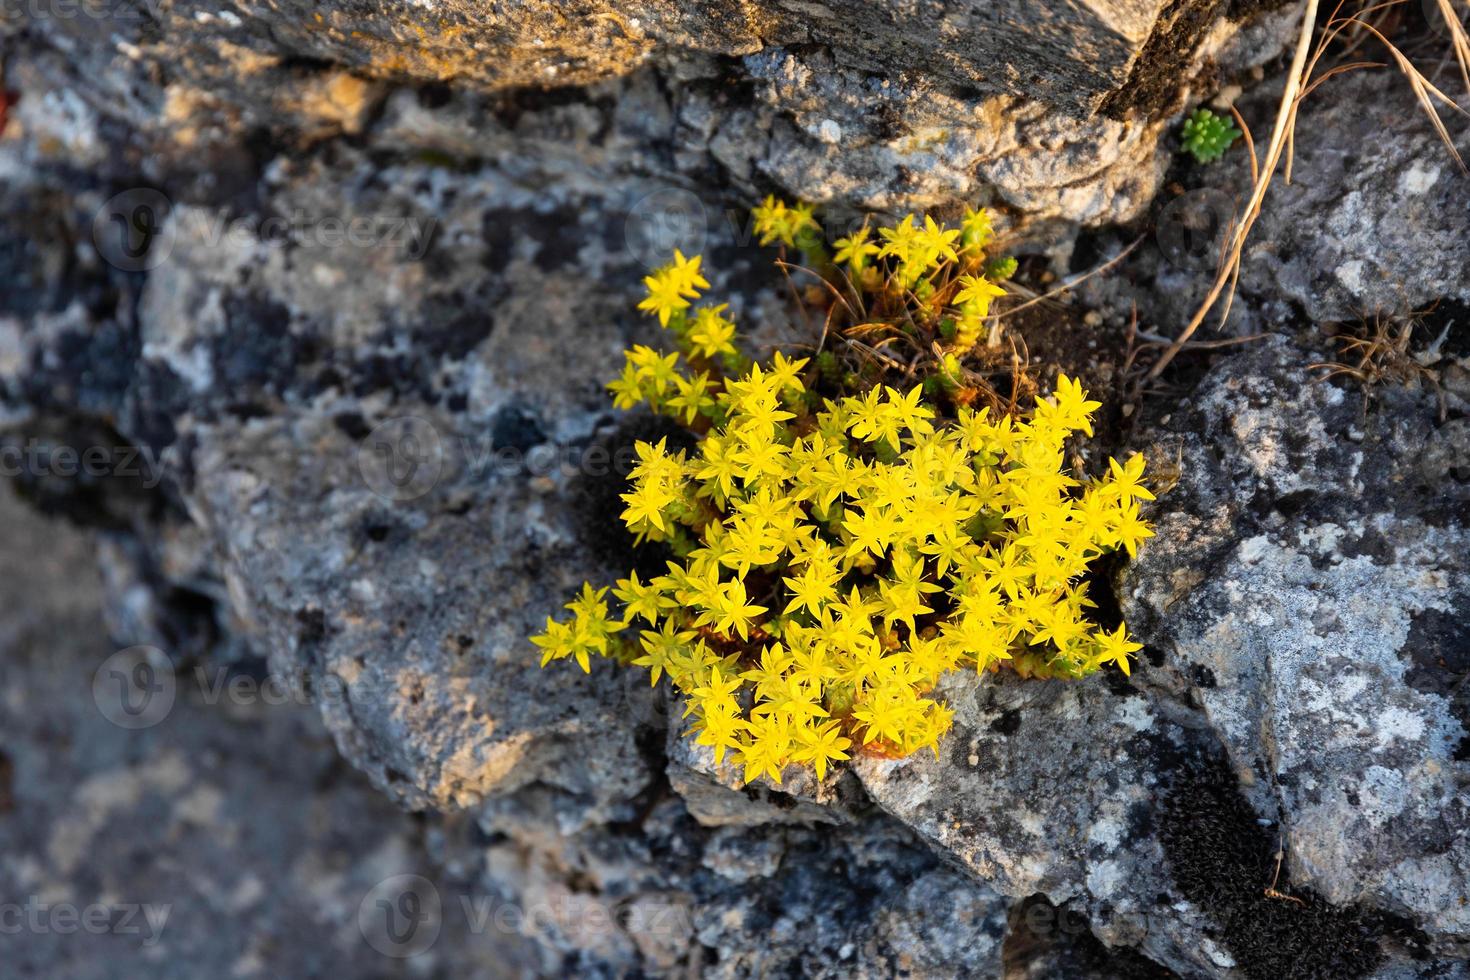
1052	790
1304	686
1305	586
1371	225
1078	56
928	106
244	845
863	899
1373	220
228	838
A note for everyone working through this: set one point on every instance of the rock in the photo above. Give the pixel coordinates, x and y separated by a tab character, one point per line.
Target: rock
1341	738
224	835
294	848
1100	54
860	899
1051	789
1303	589
1045	941
1370	229
1359	232
360	348
460	273
1057	118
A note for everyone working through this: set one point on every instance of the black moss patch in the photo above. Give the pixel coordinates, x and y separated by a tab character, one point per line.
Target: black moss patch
1243	10
604	478
1223	861
1153	83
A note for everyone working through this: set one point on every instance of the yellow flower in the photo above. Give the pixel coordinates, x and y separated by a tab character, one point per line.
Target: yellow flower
662	648
1125	483
693	398
855	250
936	243
663	299
820	745
732	611
685	274
976	293
776	221
721	465
644	599
975	230
786	375
1130	531
712	335
831	563
1114	648
672	287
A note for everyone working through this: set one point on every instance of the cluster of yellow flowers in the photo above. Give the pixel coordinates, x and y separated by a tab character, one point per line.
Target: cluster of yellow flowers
934	271
836	555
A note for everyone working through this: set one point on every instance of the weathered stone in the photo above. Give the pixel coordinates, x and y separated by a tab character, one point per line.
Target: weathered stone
1373	220
1056	114
380	465
860	899
1080	56
1051	789
224	837
1304	585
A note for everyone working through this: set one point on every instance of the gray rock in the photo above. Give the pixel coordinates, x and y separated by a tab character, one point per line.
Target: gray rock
327	414
1285	612
225	836
1057	117
1373	220
1051	789
1371	224
861	899
1304	588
